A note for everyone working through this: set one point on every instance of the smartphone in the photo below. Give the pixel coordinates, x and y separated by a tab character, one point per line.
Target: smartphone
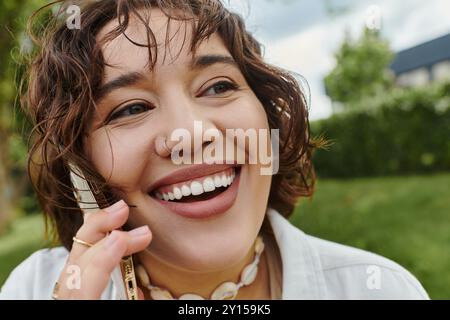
123	276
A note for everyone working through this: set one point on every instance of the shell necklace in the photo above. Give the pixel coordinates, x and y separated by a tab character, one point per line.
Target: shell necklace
225	291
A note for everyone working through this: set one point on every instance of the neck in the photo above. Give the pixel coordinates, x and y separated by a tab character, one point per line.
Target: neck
179	281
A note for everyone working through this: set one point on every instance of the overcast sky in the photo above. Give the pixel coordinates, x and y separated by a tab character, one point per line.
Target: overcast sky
302	36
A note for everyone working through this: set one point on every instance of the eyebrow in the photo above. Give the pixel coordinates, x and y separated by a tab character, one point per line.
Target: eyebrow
132	78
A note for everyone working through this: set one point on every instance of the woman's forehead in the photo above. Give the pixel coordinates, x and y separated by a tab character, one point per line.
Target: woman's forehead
173	45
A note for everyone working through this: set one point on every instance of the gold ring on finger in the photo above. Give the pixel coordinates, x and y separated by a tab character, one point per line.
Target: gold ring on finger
84	243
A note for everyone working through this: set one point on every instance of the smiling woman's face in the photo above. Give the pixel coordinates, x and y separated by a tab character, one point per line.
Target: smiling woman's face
148	104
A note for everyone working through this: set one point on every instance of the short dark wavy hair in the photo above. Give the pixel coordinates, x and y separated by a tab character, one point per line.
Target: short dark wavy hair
64	74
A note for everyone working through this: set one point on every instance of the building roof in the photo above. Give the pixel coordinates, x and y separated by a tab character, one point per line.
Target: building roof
422	55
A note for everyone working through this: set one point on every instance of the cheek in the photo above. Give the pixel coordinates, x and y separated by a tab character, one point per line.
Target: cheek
119	155
253	115
249	115
246	113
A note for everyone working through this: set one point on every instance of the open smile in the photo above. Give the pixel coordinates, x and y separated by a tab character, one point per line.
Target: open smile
201	197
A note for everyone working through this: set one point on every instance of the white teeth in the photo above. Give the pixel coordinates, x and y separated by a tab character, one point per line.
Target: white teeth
224	180
185	191
217	181
208	185
196	188
177	193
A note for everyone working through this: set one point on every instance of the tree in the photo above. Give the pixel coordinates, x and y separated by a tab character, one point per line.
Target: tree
13	16
362	69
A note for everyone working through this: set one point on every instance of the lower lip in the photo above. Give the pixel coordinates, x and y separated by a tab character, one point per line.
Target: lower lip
206	208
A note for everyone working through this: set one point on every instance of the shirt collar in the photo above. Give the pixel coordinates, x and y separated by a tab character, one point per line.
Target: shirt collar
302	271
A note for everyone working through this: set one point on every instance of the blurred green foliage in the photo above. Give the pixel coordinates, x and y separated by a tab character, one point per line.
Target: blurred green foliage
16	195
362	69
403	131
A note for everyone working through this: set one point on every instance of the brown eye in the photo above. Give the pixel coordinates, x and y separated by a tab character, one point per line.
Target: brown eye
220	87
130	110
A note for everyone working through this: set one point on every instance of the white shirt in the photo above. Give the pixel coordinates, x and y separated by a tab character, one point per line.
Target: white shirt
312	268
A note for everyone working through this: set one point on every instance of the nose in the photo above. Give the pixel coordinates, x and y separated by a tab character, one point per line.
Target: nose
162	147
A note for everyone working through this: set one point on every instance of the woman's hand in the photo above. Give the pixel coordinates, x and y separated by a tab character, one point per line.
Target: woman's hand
95	264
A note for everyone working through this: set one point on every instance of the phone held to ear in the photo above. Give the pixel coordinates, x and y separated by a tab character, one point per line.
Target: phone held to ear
89	204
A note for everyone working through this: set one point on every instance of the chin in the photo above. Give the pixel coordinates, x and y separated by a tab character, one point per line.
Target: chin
215	254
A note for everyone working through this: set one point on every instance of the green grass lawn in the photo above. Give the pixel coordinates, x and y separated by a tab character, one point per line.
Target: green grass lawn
406	219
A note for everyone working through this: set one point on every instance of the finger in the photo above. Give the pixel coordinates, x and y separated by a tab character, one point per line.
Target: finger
135	241
99	262
94	278
97	225
140	294
102	257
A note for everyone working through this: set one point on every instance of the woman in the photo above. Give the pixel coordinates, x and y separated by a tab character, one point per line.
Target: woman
109	96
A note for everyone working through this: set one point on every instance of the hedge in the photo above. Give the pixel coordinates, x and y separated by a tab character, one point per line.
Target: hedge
402	132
